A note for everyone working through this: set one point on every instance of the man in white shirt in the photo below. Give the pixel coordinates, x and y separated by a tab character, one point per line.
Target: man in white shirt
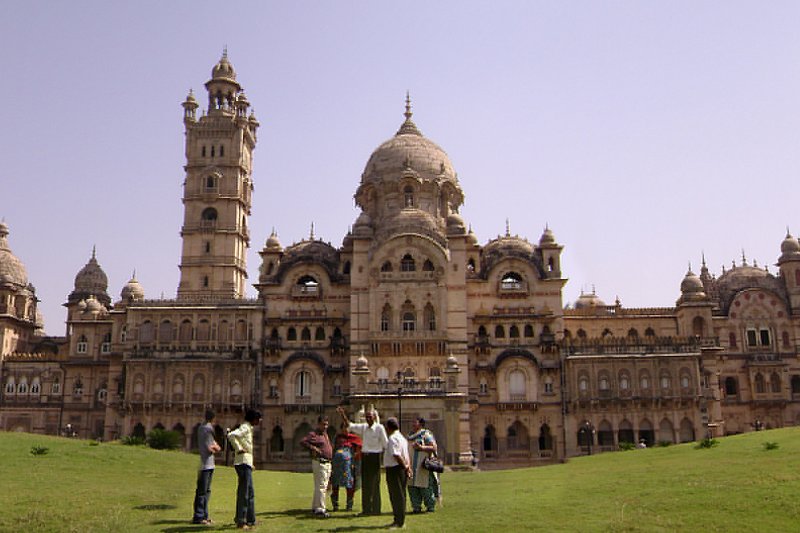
241	439
398	470
373	438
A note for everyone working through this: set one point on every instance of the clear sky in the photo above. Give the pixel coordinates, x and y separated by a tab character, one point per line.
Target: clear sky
643	133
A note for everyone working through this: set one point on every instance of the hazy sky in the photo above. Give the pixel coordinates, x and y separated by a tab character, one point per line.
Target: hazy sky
643	133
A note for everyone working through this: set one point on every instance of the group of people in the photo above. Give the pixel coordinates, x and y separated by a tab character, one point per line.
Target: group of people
355	458
241	441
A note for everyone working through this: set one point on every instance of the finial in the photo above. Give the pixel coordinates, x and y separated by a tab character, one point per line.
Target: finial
703	255
133	276
311	235
744	259
690	266
508	229
408	112
225	52
594	291
755	263
94	251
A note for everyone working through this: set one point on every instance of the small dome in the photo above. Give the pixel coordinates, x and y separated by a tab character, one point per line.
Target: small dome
132	291
347	242
223	69
82	305
790	248
471	238
242	99
12	271
589	301
363	225
508	245
692	285
547	237
91	277
190	97
455	224
93	306
273	244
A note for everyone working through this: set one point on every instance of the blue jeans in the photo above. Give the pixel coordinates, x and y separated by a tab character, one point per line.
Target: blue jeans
245	497
202	494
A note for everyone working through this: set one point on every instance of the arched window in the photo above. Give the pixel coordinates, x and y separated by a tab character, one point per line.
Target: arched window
731	386
305	334
83	344
686	381
383	377
528	331
482	331
185	331
204	330
511	281
165	332
666	381
36	386
386	318
105	346
471	265
241	331
775	382
624	381
760	385
516	385
649	332
291	334
409	316
583	384
224	331
22	387
407	264
633	335
211	183
386	267
409	321
273	388
209	217
408	196
303	384
795	384
56	386
319	334
427	266
582	334
644	381
517	437
698	326
603	383
499	332
276	440
606	333
430	318
11	385
308	285
513	332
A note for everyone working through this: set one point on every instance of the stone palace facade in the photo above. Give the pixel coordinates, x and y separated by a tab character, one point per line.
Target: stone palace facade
409	314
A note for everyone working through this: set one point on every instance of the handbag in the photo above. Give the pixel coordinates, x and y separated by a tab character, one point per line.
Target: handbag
433	464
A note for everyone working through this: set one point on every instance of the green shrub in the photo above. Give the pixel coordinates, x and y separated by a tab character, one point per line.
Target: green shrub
39	450
133	440
770	446
707	443
664	443
94	443
625	445
163	439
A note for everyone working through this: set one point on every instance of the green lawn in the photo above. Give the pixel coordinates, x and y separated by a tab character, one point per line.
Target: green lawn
736	486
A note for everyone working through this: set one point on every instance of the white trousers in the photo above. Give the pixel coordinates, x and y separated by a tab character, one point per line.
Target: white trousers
322	474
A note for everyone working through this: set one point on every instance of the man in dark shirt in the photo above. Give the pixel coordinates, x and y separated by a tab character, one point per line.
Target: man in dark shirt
207	447
319	444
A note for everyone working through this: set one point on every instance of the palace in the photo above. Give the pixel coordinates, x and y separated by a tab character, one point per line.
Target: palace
409	314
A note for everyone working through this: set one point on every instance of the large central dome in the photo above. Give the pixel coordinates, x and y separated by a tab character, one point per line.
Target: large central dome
408	150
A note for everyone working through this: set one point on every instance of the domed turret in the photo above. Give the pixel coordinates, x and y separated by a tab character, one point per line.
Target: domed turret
692	287
132	291
12	271
547	237
223	69
455	225
790	248
91	281
589	301
273	244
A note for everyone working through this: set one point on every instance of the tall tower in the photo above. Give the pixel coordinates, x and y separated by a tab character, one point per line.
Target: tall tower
217	190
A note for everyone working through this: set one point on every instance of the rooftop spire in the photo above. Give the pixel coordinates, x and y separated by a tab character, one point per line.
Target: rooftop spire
508	228
311	235
408	127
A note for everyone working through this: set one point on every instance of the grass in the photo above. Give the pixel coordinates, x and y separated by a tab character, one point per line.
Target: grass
735	486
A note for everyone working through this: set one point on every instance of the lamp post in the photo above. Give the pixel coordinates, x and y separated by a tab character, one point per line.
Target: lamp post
399	400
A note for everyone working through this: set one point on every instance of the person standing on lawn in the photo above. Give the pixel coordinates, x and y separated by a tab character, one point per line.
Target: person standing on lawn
241	440
319	444
398	470
207	447
423	445
373	443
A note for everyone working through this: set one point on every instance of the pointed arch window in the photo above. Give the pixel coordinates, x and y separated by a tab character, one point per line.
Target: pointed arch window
407	264
209	218
513	332
308	285
211	183
83	344
305	334
511	281
386	267
291	334
430	317
36	386
499	332
408	196
516	385
319	334
386	318
528	332
11	385
760	384
774	383
427	266
409	317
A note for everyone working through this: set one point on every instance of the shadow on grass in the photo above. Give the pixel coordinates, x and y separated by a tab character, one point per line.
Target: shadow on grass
155	507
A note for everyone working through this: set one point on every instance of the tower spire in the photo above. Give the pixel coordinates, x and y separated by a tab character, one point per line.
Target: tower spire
408	127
